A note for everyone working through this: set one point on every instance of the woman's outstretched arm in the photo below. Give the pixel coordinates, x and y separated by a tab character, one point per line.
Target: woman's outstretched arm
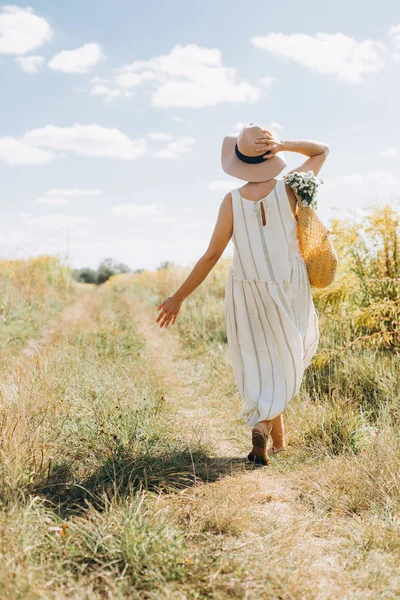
219	240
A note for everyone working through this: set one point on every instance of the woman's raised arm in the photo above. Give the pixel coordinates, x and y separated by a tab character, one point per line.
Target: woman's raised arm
219	240
316	151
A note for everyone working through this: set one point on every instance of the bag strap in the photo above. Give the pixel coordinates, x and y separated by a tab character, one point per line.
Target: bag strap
298	201
299	204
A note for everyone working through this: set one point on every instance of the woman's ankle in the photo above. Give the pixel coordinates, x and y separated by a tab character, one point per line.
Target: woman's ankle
278	439
268	425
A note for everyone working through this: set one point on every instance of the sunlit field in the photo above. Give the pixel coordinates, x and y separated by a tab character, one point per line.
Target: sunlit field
31	291
123	468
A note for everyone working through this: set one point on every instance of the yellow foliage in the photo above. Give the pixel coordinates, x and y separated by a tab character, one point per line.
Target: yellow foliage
370	245
35	276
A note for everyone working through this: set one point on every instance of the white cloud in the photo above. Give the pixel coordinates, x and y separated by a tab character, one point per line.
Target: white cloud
73	192
102	87
379	177
30	64
394	34
173	149
81	60
53	222
55	200
89	140
17	152
21	30
390	152
267	80
276	126
238	126
336	54
189	76
61	196
353	179
133	210
159	136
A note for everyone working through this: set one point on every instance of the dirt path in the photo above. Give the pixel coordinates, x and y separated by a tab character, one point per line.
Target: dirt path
183	379
70	314
19	366
304	547
264	539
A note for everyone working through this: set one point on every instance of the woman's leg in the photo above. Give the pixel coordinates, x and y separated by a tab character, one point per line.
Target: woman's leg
278	431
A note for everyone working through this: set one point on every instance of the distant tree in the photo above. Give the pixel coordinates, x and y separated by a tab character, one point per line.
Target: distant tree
85	275
107	268
165	264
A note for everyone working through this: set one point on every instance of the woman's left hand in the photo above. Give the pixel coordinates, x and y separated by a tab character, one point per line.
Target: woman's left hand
266	141
170	309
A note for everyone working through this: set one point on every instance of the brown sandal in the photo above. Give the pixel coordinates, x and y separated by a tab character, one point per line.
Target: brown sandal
275	451
259	439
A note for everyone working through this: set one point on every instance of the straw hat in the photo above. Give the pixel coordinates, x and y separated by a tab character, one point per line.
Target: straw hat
240	159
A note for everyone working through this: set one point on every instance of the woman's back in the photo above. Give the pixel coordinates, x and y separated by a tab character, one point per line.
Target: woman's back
264	235
254	191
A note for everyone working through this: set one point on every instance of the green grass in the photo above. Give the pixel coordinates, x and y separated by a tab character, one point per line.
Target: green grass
103	496
87	447
31	292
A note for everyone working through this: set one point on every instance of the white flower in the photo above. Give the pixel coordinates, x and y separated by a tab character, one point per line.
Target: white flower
305	185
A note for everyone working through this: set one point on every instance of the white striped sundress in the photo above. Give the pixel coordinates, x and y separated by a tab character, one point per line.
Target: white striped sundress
271	321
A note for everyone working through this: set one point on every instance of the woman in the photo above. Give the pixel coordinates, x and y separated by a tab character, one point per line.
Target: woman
271	322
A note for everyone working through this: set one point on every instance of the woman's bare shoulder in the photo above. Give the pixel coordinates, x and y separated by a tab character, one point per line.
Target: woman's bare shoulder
227	203
228	198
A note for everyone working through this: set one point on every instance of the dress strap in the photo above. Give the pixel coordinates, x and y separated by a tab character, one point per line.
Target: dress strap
235	203
235	195
281	187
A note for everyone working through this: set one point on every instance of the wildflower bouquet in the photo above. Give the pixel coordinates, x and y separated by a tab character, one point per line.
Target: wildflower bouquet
305	184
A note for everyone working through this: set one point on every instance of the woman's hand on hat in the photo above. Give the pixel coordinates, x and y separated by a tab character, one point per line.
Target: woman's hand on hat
170	309
267	142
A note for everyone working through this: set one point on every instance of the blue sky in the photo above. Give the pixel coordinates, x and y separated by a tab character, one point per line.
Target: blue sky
113	115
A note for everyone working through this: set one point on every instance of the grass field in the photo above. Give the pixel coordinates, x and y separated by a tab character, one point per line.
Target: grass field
123	468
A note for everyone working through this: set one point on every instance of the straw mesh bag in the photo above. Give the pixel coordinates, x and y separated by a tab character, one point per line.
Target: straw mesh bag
316	245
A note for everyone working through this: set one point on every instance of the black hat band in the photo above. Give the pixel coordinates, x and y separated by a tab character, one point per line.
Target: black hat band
251	160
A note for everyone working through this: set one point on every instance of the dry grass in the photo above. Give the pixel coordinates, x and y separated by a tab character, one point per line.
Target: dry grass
31	291
123	470
343	437
329	508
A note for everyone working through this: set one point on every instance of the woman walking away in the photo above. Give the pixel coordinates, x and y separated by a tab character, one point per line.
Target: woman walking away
271	322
